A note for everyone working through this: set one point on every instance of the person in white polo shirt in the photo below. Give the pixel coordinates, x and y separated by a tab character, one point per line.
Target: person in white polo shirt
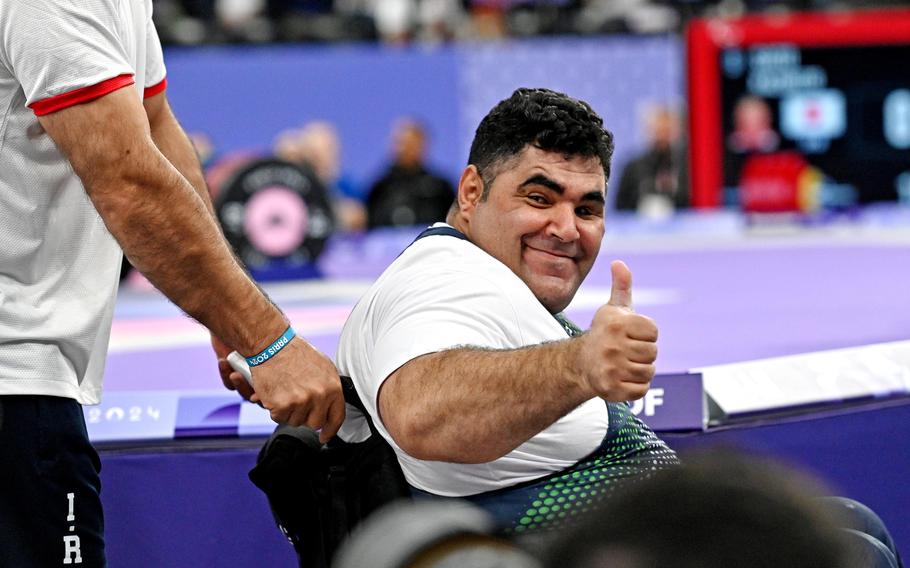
460	352
92	160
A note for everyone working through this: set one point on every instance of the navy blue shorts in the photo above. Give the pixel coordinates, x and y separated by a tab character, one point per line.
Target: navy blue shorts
50	506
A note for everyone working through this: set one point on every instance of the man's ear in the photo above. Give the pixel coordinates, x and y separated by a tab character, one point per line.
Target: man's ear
470	190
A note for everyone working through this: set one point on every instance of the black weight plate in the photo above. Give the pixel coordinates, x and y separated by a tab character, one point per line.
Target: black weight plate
275	211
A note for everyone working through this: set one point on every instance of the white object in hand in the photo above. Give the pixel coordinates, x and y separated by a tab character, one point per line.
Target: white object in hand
239	364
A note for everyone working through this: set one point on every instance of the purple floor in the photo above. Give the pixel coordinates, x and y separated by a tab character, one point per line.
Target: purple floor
730	303
741	304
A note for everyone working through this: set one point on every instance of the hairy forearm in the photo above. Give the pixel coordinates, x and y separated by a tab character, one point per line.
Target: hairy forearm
173	142
162	223
470	405
168	233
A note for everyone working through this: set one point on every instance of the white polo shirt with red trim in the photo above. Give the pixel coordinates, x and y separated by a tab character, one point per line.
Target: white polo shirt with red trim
59	266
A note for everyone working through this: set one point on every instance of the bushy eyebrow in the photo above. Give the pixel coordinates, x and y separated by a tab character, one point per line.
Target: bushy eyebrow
556	187
540	179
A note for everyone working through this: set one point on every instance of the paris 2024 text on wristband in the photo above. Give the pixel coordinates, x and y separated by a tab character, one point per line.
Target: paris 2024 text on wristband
273	348
243	365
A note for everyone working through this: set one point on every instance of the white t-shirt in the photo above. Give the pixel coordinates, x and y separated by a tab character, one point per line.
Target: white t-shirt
444	292
59	266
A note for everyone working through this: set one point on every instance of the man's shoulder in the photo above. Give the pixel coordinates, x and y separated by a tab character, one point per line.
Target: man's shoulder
441	274
438	259
451	255
432	279
440	269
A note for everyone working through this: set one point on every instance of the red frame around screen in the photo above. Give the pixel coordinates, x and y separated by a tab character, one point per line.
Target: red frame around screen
704	41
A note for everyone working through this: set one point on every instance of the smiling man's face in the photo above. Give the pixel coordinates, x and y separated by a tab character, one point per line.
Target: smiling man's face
543	218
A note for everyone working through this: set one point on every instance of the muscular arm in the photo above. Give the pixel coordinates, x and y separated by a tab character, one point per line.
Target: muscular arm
172	141
166	229
472	406
158	218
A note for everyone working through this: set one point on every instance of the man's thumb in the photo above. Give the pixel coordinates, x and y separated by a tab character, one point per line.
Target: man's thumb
621	294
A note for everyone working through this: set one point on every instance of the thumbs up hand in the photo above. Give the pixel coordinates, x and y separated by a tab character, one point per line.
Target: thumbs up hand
617	355
621	293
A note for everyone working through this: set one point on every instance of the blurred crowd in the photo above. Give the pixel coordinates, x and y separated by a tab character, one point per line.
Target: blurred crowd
406	192
192	22
719	509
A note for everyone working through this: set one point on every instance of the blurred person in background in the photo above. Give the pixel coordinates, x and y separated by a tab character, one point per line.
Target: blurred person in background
655	183
427	534
723	509
401	21
287	146
204	147
627	16
753	127
317	146
408	193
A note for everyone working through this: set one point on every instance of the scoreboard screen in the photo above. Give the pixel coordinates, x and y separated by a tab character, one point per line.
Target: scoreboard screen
801	112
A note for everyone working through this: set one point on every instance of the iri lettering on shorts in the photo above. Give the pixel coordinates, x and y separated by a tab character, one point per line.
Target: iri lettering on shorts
71	552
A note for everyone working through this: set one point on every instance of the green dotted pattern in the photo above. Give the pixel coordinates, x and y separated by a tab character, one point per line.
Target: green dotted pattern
632	452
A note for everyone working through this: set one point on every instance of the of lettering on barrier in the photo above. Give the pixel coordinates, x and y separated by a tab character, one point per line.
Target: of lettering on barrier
674	402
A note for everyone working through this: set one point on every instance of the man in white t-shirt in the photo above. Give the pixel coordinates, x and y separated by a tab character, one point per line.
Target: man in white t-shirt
459	350
92	160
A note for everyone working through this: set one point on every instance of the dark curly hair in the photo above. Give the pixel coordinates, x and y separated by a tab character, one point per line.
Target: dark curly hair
548	120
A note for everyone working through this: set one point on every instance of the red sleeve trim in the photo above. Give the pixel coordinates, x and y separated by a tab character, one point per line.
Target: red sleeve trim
155	89
83	95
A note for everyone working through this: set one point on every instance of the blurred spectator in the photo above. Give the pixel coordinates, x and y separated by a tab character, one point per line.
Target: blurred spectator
408	193
656	182
321	20
318	146
243	19
219	21
488	18
753	129
205	148
624	16
430	534
287	145
753	136
400	21
722	510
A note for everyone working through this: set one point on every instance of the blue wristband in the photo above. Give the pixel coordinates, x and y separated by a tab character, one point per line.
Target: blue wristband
272	349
